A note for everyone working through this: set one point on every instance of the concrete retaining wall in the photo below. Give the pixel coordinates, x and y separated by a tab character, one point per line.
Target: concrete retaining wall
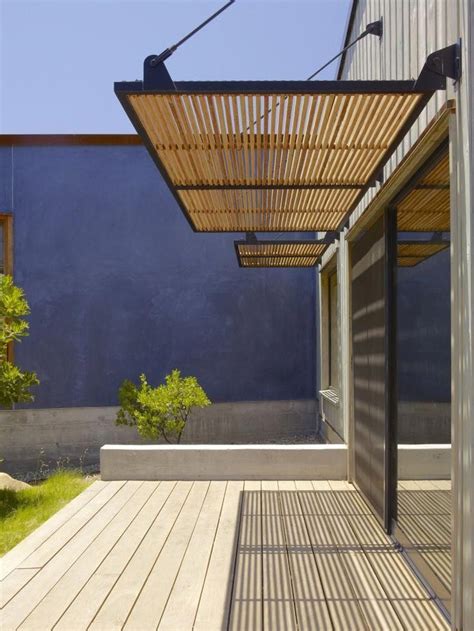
223	462
425	422
424	462
30	439
258	462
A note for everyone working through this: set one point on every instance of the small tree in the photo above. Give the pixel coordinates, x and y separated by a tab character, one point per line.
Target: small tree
15	384
160	412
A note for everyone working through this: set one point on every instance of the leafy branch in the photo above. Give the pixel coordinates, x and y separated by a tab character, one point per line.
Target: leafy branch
15	384
163	411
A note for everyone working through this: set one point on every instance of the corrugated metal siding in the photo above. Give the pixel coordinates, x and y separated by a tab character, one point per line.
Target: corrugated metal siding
412	30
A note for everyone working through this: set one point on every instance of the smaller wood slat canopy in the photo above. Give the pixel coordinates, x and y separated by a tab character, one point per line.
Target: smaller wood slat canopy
427	206
279	253
286	156
412	253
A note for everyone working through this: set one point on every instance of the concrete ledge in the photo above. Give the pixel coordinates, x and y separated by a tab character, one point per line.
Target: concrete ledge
36	439
424	462
223	462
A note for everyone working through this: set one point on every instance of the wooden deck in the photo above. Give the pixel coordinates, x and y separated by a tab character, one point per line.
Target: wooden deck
425	519
209	556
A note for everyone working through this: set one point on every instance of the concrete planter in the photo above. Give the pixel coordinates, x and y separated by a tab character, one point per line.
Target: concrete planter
223	462
258	462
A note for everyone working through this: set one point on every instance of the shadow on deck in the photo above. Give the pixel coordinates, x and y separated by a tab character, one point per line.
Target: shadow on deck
212	556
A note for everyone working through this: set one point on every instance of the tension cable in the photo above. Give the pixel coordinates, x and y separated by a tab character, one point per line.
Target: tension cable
169	51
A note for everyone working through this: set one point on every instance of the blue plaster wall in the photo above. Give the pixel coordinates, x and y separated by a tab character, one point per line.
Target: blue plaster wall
119	284
424	330
5	179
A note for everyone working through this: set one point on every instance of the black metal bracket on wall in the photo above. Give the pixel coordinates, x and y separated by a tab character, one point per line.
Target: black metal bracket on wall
443	64
155	73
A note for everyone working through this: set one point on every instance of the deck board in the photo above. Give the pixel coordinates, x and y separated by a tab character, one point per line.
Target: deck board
425	519
246	611
30	596
278	600
312	610
88	602
114	611
183	600
214	604
58	599
211	556
13	559
150	605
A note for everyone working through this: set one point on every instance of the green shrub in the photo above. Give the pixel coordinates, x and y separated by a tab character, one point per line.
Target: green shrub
160	412
15	384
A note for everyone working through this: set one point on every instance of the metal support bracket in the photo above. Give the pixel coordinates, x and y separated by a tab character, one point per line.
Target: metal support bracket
155	73
375	28
441	65
378	179
331	236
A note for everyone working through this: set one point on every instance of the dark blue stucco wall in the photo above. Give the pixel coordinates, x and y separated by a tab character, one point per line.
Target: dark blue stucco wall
424	330
119	284
5	179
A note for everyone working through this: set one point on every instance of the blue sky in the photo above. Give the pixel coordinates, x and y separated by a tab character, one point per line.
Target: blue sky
59	59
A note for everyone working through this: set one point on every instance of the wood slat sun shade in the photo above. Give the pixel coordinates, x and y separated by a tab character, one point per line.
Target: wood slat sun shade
271	156
279	253
411	253
427	206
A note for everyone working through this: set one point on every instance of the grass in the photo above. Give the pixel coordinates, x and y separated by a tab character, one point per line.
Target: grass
23	511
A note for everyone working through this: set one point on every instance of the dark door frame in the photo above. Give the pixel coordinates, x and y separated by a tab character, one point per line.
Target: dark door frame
389	379
391	385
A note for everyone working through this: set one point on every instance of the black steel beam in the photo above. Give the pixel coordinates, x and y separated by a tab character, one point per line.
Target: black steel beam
280	266
445	242
280	256
267	187
281	87
432	187
284	242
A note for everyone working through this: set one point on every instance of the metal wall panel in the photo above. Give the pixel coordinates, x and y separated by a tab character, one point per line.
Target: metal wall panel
412	30
369	297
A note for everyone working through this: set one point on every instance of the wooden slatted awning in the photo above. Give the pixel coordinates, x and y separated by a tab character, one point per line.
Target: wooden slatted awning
288	156
279	253
411	253
426	207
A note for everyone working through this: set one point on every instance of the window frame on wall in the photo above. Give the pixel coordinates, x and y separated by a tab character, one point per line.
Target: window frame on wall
333	378
331	342
6	226
330	394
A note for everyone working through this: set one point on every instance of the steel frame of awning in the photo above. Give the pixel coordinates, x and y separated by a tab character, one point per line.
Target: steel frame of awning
251	240
439	66
438	243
